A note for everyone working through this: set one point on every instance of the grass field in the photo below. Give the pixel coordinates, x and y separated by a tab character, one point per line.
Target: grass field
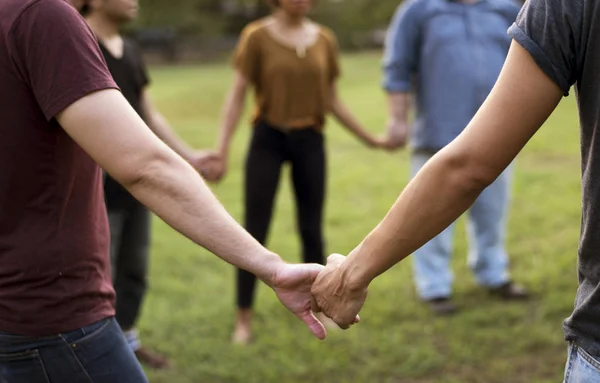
190	308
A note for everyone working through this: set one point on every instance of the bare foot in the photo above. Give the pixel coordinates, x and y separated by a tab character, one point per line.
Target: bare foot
242	334
152	359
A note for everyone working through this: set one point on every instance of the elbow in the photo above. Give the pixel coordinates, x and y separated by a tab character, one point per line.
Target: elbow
466	172
235	101
238	91
144	169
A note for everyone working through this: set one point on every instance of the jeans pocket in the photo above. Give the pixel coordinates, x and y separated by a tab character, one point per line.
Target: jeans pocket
22	367
589	360
88	333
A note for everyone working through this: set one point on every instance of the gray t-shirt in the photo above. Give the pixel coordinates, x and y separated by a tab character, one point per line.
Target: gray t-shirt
563	36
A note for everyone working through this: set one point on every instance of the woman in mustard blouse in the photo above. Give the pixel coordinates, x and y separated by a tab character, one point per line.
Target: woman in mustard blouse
292	65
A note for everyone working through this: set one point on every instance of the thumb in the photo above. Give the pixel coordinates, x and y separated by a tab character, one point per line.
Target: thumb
314	305
335	259
313	324
310	269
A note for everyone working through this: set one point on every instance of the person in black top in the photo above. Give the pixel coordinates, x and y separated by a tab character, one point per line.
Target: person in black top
129	219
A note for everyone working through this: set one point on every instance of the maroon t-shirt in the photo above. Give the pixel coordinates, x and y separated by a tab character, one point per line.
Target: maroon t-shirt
54	240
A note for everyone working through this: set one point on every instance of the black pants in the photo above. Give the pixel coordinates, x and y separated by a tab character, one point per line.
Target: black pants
129	254
269	150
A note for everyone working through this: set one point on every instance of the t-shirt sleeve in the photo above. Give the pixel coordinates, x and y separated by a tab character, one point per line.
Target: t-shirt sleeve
401	55
57	55
551	31
246	57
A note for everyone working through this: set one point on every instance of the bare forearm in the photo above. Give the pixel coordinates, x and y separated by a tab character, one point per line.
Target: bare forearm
105	125
159	125
174	191
232	112
347	119
451	181
399	106
431	202
448	184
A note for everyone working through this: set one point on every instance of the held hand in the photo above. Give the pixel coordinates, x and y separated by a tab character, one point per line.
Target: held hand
397	133
378	142
200	158
336	296
217	169
384	143
292	284
211	165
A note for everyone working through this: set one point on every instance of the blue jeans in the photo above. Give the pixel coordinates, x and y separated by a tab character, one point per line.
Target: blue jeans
581	367
486	228
94	354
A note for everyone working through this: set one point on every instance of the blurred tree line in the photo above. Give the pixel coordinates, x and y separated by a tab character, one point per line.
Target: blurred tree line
354	21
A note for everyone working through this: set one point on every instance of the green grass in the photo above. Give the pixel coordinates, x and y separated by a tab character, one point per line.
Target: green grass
190	308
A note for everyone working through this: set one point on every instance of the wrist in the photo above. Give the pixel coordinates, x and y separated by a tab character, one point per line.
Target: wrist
269	267
369	141
355	270
223	153
399	117
187	155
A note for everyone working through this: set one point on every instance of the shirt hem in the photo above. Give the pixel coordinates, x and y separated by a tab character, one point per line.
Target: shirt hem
60	327
591	346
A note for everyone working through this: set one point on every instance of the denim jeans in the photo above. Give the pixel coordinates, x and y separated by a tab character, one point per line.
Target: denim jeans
486	229
581	366
94	354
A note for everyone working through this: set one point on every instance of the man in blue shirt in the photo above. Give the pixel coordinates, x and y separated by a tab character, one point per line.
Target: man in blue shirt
448	54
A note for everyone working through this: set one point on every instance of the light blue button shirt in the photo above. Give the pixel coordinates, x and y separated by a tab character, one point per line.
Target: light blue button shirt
449	54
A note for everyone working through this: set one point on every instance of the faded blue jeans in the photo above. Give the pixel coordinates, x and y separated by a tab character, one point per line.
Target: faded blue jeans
486	228
97	353
581	366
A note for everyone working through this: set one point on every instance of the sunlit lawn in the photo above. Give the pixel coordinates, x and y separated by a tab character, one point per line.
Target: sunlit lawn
190	308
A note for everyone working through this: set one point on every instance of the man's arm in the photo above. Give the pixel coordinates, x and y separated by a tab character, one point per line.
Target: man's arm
160	126
398	128
110	131
399	65
447	186
127	150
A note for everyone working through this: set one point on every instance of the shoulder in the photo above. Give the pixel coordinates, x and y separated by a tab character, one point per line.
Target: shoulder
418	8
47	21
328	35
11	10
52	11
508	8
415	12
254	30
